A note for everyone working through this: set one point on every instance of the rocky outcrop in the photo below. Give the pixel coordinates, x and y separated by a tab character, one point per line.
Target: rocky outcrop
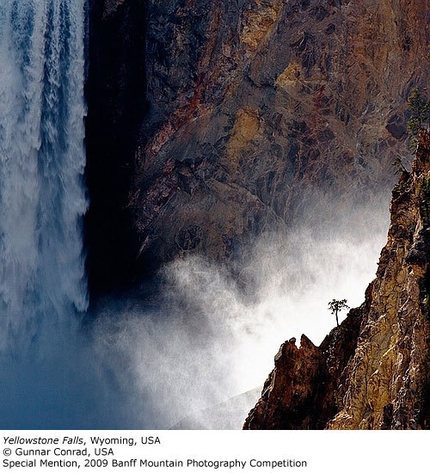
371	372
300	393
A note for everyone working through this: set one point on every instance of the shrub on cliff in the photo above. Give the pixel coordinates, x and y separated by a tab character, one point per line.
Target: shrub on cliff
419	109
336	306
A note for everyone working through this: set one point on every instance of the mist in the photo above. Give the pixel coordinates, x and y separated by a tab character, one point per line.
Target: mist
176	357
207	338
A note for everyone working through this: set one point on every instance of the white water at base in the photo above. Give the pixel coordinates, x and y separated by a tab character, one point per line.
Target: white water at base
42	160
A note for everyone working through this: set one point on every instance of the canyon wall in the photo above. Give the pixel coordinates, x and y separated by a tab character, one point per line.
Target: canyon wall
371	372
264	115
210	124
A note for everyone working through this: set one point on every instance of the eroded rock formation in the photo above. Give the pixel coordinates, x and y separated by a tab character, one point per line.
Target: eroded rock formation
371	372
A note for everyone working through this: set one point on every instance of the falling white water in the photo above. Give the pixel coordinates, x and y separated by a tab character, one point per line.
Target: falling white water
42	159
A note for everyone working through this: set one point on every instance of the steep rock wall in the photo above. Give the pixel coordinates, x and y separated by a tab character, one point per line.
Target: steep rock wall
371	372
211	123
261	114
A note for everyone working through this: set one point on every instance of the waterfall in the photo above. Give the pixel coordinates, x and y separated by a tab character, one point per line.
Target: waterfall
42	159
43	293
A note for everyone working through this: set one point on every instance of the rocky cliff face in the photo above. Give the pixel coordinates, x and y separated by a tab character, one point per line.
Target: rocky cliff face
210	123
371	372
261	114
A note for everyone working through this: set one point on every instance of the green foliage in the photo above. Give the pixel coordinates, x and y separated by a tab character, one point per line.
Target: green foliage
419	109
425	213
336	306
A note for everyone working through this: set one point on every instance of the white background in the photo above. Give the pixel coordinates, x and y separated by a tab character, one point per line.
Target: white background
324	451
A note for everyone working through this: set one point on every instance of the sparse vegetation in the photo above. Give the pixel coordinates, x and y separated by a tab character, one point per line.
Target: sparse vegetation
336	306
419	109
398	165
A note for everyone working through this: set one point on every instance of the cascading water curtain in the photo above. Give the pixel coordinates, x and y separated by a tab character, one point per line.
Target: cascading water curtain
42	160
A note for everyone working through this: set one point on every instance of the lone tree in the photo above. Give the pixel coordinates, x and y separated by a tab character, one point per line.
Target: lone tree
336	306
